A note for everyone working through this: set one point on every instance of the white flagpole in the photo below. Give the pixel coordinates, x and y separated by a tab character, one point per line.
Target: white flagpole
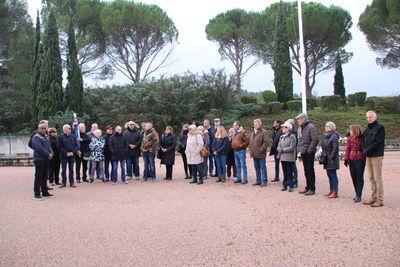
302	59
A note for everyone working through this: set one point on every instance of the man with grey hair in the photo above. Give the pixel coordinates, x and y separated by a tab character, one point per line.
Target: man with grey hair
307	135
45	123
42	153
149	147
374	146
68	150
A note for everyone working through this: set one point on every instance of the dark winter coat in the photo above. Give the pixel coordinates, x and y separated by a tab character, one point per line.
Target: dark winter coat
221	146
107	151
182	141
118	147
168	141
41	147
66	144
276	135
85	144
230	154
307	135
374	140
133	137
211	133
354	149
54	147
330	146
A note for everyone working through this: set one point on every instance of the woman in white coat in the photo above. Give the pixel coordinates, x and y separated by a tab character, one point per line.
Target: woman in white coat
193	146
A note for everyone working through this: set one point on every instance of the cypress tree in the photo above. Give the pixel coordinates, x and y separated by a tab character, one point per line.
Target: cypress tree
36	62
50	94
283	75
338	84
74	88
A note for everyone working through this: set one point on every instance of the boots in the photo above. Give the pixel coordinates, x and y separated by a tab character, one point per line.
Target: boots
370	202
219	180
378	203
223	179
334	194
328	194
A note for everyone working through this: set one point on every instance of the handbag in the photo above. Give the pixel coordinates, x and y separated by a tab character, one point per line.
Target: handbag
323	159
204	153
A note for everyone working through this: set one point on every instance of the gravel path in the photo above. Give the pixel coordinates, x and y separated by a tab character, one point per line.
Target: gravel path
179	224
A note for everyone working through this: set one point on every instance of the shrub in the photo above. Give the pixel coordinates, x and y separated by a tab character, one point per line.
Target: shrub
384	105
311	103
249	99
332	102
357	99
274	107
294	105
269	96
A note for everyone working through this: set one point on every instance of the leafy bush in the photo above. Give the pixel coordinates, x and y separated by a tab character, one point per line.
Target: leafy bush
294	105
332	102
384	105
311	103
269	96
357	99
249	99
60	119
274	107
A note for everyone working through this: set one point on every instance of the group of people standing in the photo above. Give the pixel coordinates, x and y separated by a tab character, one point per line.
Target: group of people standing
209	150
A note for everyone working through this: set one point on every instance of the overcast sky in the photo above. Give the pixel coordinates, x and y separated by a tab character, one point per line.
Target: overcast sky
196	54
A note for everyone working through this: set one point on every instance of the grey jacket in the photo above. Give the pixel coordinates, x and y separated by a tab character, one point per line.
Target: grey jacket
307	138
288	145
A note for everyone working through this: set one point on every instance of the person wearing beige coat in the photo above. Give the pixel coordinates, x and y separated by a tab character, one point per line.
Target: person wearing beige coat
193	146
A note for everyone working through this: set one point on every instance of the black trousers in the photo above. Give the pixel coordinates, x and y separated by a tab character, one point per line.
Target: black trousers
287	168
197	172
78	162
54	170
309	172
169	171
186	167
357	168
41	173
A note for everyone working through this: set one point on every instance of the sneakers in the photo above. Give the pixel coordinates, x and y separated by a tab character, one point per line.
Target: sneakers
291	189
114	183
124	182
38	198
129	178
91	181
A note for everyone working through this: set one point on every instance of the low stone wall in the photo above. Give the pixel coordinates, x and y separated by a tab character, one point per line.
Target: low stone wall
14	145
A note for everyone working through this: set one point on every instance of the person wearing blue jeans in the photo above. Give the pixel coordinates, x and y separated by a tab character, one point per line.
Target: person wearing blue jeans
258	151
119	149
107	154
68	150
330	151
220	148
150	144
240	142
276	134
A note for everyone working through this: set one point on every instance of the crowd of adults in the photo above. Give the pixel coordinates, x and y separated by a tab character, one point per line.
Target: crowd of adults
209	150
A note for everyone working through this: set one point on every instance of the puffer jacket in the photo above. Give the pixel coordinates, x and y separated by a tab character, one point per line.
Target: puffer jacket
330	146
150	141
240	141
194	144
133	137
96	147
287	142
118	147
354	149
307	138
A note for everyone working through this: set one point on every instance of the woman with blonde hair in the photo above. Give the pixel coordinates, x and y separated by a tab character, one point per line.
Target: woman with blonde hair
355	158
220	148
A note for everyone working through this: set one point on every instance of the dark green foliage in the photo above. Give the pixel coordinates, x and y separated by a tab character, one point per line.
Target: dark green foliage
357	99
249	99
74	89
384	105
49	100
311	103
59	119
283	79
269	96
36	64
274	107
380	22
332	102
338	85
294	105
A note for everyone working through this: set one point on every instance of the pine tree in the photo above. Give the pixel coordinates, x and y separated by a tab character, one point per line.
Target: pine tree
338	84
50	94
74	88
283	79
36	62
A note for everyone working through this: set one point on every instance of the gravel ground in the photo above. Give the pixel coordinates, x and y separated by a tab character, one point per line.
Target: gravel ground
179	224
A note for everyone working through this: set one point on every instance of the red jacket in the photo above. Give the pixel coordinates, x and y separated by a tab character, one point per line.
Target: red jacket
354	149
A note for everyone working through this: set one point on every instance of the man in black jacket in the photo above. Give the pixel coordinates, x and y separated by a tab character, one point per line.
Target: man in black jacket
119	149
374	146
134	140
107	153
276	135
82	160
68	150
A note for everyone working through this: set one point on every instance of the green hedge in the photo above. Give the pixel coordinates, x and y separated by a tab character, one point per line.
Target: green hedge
332	102
357	99
274	107
383	105
249	99
294	105
269	96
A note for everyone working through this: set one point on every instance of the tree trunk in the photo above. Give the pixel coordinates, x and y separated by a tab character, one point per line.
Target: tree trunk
238	86
137	74
308	89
